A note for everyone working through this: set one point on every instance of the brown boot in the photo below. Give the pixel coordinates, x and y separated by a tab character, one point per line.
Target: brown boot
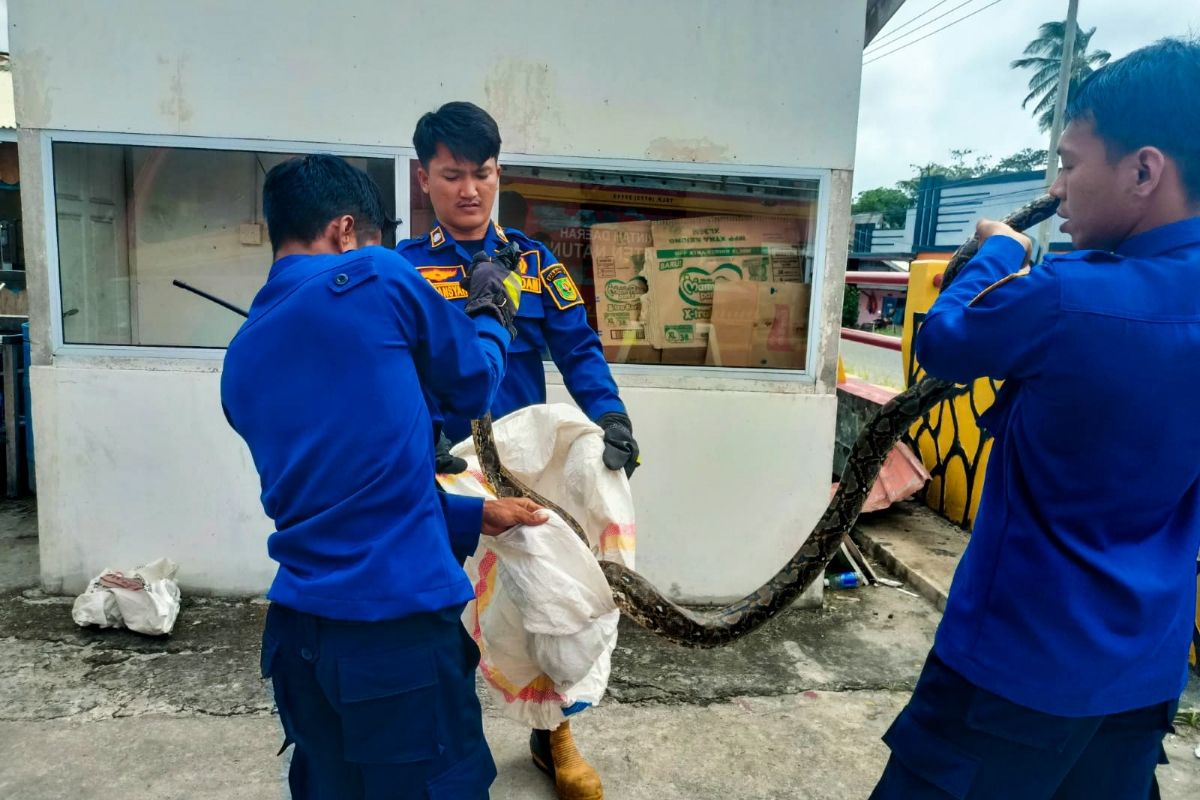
555	754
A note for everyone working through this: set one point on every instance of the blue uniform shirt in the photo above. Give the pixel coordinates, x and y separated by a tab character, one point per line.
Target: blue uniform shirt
551	319
325	383
1077	591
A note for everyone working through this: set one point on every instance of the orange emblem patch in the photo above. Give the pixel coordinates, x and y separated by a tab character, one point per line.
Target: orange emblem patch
440	274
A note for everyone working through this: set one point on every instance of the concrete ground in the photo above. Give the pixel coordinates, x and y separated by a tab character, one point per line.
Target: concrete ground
793	711
18	544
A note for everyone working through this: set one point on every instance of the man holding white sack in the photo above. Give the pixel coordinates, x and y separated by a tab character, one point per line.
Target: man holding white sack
458	147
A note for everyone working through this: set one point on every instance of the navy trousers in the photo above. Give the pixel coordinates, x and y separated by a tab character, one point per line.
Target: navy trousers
955	741
378	710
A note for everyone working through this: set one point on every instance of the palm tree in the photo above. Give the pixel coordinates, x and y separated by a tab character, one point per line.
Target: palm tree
1044	57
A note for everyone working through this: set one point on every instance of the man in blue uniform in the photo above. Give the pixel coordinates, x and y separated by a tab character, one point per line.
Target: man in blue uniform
458	147
1063	649
372	671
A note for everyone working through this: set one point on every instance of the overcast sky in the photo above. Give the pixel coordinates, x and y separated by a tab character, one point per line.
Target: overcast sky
955	89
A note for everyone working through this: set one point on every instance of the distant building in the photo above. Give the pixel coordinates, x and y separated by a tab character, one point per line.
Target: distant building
944	217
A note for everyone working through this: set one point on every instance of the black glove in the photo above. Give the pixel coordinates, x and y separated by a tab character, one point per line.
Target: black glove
494	286
620	449
446	464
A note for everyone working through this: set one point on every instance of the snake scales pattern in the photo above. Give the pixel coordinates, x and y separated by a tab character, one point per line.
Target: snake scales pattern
639	600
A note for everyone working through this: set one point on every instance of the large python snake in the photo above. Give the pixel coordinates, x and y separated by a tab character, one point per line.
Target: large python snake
639	600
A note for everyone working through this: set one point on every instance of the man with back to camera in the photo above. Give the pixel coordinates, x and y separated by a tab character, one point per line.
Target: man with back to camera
373	674
1062	653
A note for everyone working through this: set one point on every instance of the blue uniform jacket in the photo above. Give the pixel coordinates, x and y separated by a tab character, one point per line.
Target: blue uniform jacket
1077	591
325	383
551	319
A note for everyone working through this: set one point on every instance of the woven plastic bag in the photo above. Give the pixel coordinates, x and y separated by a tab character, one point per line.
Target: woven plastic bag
145	600
543	615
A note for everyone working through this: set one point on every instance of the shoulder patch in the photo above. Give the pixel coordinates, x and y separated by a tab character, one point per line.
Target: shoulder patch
530	269
1021	273
561	287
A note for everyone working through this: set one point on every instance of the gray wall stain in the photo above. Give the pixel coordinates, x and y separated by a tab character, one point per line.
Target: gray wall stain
174	105
523	97
699	150
31	95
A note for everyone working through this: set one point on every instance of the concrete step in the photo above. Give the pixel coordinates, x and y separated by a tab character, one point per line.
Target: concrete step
915	544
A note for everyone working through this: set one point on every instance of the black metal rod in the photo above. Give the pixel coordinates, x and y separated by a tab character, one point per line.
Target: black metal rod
208	296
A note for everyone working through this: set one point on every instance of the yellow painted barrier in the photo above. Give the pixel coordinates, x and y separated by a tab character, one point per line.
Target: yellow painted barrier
949	440
1195	651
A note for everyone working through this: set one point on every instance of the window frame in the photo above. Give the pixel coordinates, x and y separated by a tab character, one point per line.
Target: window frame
58	345
641	375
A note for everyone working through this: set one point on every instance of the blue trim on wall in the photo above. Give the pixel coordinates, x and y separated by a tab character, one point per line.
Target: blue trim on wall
929	197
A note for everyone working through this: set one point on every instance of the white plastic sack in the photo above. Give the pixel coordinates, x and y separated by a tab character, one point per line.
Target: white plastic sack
543	615
151	609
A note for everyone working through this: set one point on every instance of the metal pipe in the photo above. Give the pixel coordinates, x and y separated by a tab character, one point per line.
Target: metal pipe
873	339
207	296
878	278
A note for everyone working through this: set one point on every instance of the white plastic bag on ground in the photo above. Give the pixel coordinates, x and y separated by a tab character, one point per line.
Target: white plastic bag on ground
145	600
543	615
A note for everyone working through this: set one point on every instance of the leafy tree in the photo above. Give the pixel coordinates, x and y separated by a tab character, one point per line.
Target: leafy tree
958	169
1027	160
1044	56
964	164
892	203
850	306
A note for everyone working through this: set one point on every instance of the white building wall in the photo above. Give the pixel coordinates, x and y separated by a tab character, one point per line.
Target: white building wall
134	464
122	480
765	82
134	458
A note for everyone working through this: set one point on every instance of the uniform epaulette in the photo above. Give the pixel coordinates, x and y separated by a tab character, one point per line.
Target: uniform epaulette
1105	256
414	241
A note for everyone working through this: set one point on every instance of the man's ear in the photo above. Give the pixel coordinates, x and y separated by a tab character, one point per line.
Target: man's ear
341	234
423	179
1150	163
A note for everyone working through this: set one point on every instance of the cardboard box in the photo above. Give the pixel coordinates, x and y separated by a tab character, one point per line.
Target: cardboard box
685	356
629	346
618	253
763	325
681	282
710	232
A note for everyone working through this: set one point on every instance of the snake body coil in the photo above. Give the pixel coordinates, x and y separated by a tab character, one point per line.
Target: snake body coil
639	600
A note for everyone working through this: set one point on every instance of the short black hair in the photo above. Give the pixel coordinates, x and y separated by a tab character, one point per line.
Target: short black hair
302	195
466	130
1149	98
